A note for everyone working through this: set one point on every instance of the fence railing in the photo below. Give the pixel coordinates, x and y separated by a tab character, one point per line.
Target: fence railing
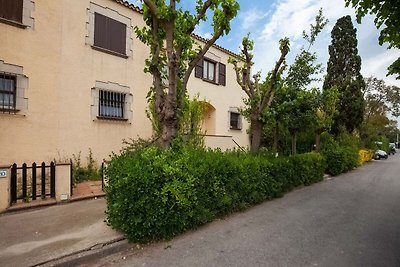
25	181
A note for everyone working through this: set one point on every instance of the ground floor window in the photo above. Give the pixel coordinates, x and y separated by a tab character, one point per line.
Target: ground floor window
235	121
111	104
8	90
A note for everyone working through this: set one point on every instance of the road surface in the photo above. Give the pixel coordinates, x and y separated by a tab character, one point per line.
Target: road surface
349	220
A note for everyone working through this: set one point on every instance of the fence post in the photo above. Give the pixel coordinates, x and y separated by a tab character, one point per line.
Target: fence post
34	181
102	176
43	191
52	180
24	183
63	181
14	183
5	183
71	177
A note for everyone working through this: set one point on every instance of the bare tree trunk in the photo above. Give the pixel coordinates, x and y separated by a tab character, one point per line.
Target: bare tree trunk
256	131
169	122
293	134
318	140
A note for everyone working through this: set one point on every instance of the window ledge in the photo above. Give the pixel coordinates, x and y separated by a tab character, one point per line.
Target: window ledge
109	51
111	118
235	129
210	81
13	23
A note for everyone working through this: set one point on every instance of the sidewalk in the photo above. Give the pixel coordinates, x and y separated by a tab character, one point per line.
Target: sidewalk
36	236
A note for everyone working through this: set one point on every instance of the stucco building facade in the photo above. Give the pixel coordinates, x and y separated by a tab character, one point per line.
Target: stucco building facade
71	78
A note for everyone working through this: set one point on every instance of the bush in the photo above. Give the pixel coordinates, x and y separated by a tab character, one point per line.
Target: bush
90	172
339	158
154	194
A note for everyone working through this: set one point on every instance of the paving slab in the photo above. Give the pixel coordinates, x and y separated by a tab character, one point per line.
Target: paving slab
36	236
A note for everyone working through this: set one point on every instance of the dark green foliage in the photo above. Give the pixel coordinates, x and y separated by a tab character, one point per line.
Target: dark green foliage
343	71
387	20
340	157
154	194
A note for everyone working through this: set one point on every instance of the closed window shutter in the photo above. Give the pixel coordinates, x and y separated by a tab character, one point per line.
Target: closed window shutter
222	74
109	34
198	72
100	30
117	32
11	10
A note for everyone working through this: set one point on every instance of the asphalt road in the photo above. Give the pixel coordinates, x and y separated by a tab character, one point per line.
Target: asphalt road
349	220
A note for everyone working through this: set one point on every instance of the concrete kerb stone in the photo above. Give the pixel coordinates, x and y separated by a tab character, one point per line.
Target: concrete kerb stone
94	252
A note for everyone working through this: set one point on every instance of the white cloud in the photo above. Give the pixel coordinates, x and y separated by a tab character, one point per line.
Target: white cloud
291	17
249	18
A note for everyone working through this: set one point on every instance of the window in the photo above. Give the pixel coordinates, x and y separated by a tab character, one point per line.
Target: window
111	105
111	102
235	121
109	34
8	91
109	31
11	10
207	70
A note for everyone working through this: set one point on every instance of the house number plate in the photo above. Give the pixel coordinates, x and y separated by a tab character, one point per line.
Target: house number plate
3	173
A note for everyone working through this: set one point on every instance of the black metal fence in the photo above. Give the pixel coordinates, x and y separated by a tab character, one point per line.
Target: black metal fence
31	182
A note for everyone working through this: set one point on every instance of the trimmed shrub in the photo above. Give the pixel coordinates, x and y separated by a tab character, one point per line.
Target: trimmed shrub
338	158
365	155
154	194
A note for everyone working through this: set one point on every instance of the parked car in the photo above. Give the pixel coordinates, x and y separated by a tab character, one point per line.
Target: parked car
380	154
392	148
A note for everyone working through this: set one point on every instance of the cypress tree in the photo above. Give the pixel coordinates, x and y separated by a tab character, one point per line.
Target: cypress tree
343	71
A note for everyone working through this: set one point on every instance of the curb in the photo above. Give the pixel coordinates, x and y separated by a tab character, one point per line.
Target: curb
94	252
53	202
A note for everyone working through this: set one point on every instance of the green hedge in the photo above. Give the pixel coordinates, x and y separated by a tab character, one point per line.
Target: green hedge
339	158
155	194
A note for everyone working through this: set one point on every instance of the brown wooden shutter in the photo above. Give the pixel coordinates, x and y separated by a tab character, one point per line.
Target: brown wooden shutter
222	74
11	10
109	34
198	73
100	30
117	36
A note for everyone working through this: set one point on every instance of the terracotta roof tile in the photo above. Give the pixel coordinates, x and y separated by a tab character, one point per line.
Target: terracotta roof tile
195	36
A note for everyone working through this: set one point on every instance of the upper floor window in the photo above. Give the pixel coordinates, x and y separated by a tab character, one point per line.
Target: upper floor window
209	70
8	91
109	34
212	71
11	10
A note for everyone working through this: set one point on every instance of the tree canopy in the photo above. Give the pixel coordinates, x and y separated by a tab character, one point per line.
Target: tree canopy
174	54
343	71
387	19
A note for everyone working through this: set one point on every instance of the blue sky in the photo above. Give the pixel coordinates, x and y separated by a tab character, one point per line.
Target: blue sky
270	20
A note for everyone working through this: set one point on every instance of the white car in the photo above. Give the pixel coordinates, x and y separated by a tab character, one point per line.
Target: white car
380	154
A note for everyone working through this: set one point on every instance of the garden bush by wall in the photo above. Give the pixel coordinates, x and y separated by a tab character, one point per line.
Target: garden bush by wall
155	194
339	158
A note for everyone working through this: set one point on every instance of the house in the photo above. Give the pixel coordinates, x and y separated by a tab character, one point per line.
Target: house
71	78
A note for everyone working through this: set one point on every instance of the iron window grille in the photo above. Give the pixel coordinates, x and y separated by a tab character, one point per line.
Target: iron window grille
111	105
8	92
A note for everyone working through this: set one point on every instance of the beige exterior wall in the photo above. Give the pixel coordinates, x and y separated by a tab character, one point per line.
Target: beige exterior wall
63	71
